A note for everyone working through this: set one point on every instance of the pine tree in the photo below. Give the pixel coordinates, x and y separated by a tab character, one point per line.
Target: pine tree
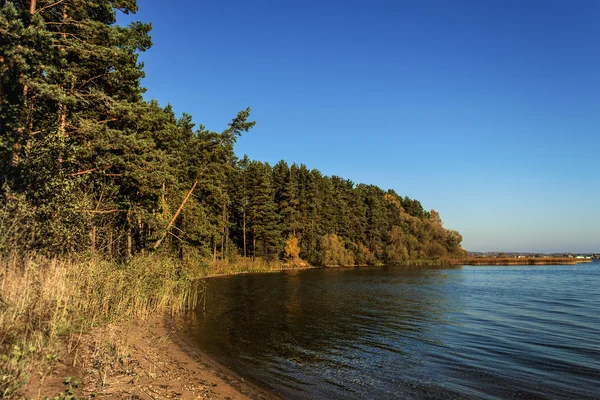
286	197
267	240
86	163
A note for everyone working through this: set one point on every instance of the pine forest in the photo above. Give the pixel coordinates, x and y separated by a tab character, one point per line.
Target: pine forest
88	166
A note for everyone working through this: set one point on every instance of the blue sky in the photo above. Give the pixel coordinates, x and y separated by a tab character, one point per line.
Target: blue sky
486	111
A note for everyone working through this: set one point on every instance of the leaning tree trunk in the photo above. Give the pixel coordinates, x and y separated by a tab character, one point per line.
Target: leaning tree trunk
187	197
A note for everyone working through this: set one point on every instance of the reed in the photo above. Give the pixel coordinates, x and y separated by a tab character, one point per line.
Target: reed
242	265
45	300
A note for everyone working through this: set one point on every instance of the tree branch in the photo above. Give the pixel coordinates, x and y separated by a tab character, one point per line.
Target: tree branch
164	235
101	211
89	80
87	171
49	6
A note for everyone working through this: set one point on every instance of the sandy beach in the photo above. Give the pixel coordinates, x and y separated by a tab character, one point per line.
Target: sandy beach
140	360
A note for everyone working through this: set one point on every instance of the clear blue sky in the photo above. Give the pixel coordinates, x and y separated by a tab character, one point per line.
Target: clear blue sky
486	111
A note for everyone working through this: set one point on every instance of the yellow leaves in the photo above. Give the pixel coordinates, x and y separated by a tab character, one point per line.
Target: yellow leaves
292	248
334	251
393	200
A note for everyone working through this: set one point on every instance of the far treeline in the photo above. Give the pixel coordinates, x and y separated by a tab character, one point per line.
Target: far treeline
87	165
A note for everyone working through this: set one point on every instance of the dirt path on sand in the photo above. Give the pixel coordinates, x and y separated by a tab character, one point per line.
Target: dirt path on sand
143	360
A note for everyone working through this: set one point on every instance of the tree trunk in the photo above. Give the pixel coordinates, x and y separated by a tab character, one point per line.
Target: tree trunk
266	253
139	240
187	197
253	243
129	252
244	228
18	145
223	233
62	108
27	121
1	71
16	151
227	236
62	119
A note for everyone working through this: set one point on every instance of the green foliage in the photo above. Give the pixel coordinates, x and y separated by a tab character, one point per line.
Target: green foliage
69	393
264	220
13	366
334	253
87	165
148	202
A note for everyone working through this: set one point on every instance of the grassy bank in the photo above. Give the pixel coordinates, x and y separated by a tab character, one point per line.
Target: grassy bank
46	303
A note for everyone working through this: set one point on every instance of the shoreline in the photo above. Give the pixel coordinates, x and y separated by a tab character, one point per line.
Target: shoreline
470	261
145	359
150	358
508	261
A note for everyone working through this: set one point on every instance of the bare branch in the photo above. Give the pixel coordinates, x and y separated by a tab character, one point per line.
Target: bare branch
187	197
101	211
49	6
177	237
71	22
87	171
91	79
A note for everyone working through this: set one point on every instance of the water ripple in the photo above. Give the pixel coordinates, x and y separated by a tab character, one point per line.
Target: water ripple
416	333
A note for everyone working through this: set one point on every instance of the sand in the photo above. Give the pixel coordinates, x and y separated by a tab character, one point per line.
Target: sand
141	360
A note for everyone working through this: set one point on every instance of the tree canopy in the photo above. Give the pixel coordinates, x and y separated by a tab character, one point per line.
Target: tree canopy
86	164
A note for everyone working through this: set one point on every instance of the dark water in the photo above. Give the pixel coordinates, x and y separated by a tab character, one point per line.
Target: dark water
404	332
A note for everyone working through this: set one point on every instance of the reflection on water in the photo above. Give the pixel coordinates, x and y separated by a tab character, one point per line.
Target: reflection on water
406	332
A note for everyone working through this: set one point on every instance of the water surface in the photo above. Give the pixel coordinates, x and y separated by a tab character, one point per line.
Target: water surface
406	332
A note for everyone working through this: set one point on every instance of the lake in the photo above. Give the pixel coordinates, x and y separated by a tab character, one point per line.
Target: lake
409	332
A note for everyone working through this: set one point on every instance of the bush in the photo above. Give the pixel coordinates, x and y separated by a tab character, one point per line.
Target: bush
334	252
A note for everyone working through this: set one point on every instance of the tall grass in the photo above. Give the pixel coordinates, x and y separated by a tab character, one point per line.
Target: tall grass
44	299
243	265
45	302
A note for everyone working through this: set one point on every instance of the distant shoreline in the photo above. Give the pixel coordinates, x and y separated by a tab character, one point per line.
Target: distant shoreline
473	261
518	261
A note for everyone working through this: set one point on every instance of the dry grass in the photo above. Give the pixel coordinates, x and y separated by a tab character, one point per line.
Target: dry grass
243	265
47	302
43	300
